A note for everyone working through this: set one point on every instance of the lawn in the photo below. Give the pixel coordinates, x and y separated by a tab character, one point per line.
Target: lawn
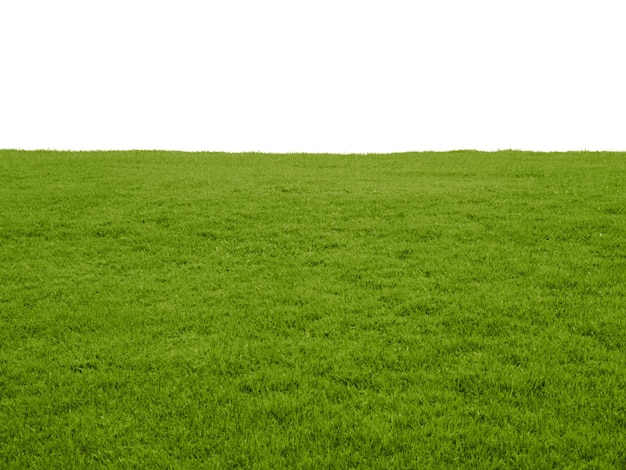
212	310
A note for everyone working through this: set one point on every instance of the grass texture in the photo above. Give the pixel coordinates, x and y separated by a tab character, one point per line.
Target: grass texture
214	310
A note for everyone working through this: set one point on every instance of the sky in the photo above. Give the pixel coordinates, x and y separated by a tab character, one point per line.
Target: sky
337	76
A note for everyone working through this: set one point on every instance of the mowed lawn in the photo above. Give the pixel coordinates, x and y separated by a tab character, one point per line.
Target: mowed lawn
211	310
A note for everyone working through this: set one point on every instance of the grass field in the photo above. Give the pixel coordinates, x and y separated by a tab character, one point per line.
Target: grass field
418	310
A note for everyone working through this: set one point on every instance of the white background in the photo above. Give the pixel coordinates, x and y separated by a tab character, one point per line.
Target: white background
313	75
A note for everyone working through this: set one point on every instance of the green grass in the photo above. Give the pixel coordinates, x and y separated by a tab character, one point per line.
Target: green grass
418	310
